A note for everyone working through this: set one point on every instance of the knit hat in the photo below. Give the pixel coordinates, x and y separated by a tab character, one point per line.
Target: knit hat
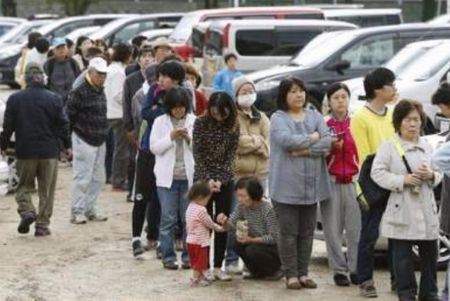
238	82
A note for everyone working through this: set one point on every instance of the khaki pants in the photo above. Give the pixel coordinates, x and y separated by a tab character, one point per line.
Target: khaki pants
46	172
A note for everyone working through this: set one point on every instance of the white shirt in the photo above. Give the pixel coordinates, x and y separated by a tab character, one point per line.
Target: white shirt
115	80
34	56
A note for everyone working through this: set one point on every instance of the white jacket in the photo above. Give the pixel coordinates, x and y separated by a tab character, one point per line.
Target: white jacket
164	150
115	80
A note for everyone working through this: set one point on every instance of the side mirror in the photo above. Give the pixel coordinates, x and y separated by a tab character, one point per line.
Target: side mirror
339	66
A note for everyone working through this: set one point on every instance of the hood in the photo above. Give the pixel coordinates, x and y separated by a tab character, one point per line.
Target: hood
275	71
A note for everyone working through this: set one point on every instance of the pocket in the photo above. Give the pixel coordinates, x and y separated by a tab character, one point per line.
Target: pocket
396	213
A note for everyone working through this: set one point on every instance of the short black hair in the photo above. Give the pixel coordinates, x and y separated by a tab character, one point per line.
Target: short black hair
94	52
253	187
403	108
144	50
177	97
32	39
137	40
80	41
42	45
69	43
172	69
377	79
442	95
171	57
333	88
229	56
283	90
226	107
197	190
122	52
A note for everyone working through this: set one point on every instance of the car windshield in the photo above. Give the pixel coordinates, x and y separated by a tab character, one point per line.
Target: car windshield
427	65
321	48
183	30
404	58
5	27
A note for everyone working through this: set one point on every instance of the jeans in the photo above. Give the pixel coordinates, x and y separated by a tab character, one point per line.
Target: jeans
88	176
173	203
231	256
404	269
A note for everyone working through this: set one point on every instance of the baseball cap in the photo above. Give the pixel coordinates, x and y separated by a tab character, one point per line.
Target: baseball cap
58	42
98	64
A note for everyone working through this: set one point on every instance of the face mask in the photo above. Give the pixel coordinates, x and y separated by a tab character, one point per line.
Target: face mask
145	87
246	100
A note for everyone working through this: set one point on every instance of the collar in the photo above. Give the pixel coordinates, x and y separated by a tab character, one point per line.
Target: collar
409	146
255	114
88	79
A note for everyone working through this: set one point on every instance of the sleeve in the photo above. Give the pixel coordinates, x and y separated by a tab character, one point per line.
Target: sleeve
126	105
358	129
199	143
233	142
190	119
117	83
441	158
323	146
63	125
381	169
217	82
281	134
265	128
151	109
206	220
8	124
235	216
160	141
271	223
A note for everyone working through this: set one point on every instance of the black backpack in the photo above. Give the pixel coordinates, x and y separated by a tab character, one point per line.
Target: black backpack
50	66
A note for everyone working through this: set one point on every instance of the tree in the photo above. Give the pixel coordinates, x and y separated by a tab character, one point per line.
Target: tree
428	9
9	8
73	7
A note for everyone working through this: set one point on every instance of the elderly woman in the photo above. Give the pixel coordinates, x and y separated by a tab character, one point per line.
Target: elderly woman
298	177
411	216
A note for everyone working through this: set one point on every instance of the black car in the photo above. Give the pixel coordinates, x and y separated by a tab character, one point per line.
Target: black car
338	56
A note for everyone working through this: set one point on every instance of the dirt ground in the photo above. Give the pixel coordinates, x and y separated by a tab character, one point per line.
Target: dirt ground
94	262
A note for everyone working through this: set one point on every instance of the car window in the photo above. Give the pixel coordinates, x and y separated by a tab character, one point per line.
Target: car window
292	41
130	31
370	53
69	27
214	43
198	38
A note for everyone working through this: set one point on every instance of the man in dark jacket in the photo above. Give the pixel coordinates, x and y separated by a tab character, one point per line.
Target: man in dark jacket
86	108
37	118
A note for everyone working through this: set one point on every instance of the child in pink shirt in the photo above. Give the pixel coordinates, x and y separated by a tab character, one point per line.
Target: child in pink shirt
198	226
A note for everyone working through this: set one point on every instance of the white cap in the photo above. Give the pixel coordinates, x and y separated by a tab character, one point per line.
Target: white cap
98	64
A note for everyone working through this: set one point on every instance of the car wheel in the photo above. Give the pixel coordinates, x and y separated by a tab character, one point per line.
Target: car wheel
444	252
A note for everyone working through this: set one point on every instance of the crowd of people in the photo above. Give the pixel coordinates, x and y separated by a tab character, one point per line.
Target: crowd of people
133	116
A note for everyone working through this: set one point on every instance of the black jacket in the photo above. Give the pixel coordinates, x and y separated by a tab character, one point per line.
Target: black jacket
86	108
132	84
37	117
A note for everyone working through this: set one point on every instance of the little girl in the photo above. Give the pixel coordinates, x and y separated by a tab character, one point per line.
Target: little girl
198	225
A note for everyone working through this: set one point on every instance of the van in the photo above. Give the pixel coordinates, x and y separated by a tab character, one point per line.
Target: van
260	44
341	55
366	17
180	38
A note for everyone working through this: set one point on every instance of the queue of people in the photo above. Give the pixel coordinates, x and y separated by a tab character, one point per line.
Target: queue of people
192	165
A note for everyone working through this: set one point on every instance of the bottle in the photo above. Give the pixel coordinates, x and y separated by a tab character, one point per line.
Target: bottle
242	228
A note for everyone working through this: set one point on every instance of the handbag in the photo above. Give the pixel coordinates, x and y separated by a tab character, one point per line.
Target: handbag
369	194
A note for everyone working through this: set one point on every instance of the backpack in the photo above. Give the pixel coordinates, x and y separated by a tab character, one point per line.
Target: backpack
51	66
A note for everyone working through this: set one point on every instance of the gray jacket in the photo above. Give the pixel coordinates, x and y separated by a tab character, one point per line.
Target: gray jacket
408	216
298	180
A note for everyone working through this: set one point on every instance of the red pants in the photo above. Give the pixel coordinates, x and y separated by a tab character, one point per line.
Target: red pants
198	257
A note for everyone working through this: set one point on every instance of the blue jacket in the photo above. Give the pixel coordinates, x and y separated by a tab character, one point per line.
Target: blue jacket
223	80
152	109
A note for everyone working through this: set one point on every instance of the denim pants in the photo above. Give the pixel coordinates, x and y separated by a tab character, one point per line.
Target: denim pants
173	204
88	176
404	269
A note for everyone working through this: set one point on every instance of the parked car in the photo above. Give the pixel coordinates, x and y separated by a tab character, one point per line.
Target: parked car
83	31
154	34
181	36
341	55
19	34
260	44
366	17
440	20
125	29
6	26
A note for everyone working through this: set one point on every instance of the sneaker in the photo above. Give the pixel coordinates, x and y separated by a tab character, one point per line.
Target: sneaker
186	266
129	199
250	276
233	269
26	219
151	245
367	289
209	276
78	219
170	265
97	218
354	279
341	280
42	231
137	248
221	275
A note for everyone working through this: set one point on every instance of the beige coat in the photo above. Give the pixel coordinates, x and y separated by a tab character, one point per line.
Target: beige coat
408	216
252	156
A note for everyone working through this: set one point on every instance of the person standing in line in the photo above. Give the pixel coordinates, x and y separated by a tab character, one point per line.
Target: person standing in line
171	142
195	79
19	69
114	84
81	51
298	178
223	79
86	109
215	140
411	215
37	118
441	159
370	127
341	213
39	53
161	49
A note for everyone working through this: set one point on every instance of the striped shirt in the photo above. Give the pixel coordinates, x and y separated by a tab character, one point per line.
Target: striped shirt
198	224
262	221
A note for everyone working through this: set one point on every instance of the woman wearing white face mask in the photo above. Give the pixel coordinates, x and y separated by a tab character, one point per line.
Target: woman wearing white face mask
252	156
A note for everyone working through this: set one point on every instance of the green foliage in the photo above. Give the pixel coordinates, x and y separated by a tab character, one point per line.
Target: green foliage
73	7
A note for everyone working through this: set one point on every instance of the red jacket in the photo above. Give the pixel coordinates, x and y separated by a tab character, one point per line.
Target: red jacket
343	161
200	103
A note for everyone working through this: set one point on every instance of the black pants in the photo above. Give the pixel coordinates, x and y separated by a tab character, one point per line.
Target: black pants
146	195
131	167
404	269
222	203
261	260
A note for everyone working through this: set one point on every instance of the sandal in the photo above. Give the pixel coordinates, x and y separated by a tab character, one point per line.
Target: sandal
293	285
308	283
